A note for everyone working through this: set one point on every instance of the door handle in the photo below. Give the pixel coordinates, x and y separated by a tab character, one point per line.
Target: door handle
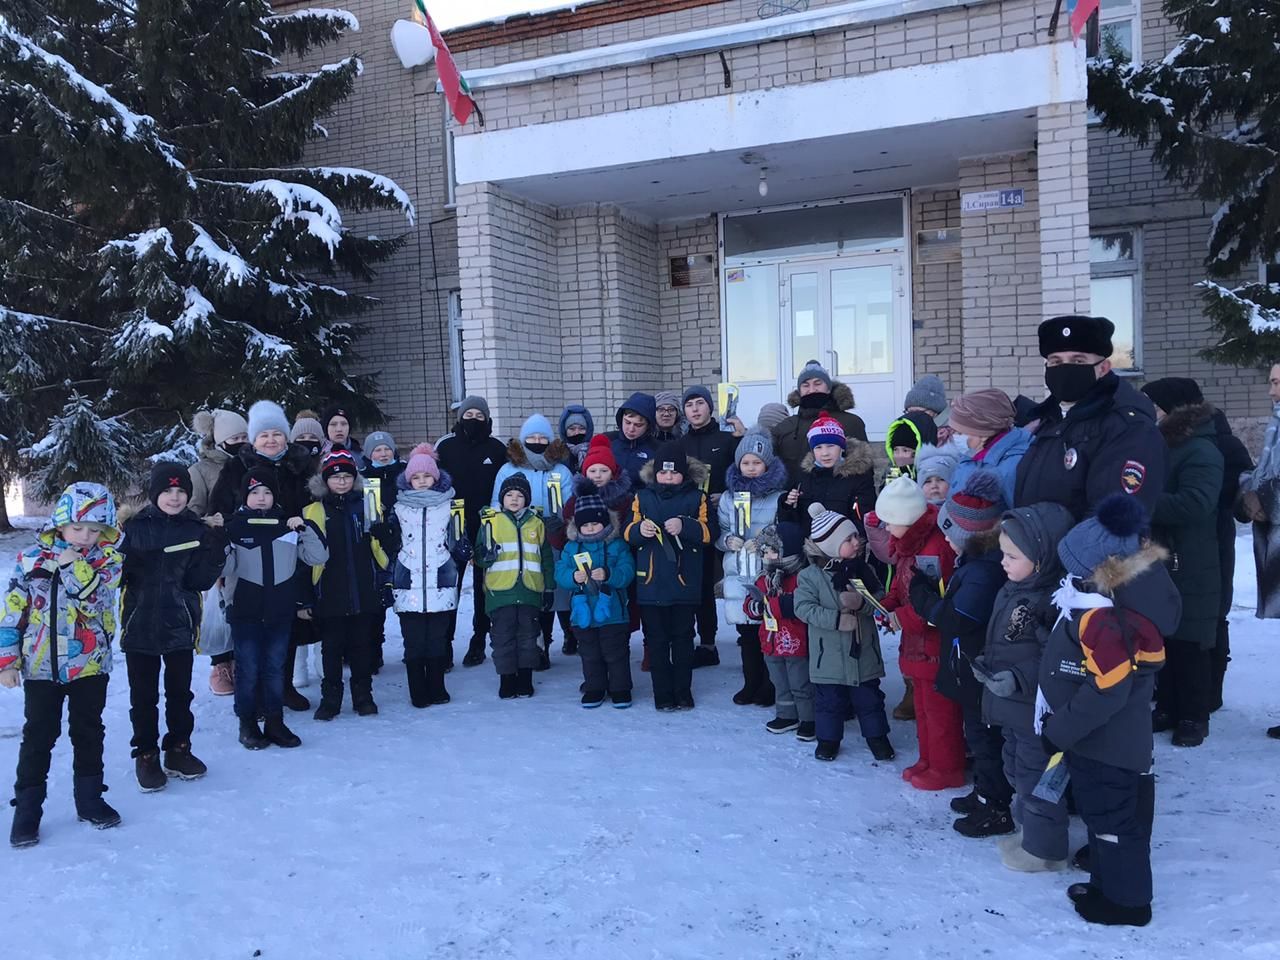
835	363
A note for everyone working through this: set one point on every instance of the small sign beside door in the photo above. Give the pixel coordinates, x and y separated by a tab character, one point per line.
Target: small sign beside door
992	200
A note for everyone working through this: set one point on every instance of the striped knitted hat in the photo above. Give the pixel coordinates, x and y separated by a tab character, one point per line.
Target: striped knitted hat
975	509
828	530
339	461
826	430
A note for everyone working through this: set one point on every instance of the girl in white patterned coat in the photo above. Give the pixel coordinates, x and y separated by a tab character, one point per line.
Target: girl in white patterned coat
426	574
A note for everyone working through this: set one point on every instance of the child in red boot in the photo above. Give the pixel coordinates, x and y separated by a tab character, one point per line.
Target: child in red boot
917	548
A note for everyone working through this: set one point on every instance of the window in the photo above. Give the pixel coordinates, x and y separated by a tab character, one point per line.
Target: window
1118	27
450	167
457	366
1115	287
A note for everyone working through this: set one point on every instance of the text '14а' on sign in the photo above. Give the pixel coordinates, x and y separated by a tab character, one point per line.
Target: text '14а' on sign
991	200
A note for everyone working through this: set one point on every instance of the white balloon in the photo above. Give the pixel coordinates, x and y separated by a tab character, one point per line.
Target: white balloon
412	43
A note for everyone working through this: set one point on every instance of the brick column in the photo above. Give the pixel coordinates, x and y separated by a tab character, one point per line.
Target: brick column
1062	137
1001	305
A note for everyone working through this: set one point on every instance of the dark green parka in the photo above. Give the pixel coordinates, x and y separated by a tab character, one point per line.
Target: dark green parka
1185	520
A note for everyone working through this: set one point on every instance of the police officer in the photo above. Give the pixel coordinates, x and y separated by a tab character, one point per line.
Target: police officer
1097	434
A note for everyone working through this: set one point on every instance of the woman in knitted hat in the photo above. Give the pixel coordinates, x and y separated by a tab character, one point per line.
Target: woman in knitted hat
753	489
434	552
970	520
983	422
918	550
544	463
222	434
1096	678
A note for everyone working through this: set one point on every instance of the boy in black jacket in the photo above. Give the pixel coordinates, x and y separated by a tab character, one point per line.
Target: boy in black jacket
263	595
383	465
171	557
670	531
346	586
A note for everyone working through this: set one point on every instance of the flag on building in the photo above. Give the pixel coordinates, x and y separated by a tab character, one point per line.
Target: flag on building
1084	9
454	84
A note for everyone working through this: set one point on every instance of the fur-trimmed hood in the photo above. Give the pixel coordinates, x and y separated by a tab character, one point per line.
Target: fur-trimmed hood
698	473
1182	423
615	530
1141	583
983	542
841	398
557	452
858	459
1114	572
208	450
319	489
773	480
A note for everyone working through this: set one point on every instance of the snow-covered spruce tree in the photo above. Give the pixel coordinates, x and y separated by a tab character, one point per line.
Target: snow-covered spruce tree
161	248
1211	111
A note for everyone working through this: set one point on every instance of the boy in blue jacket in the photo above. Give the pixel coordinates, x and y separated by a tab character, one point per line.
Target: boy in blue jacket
669	532
599	597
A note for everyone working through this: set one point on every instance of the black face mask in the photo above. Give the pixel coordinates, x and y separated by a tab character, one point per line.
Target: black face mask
537	447
1071	382
576	437
814	401
473	430
234	448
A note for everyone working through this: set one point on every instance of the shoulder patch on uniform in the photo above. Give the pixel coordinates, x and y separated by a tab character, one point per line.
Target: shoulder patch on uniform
1132	476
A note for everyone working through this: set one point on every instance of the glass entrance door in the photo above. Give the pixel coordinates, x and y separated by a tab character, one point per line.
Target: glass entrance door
849	315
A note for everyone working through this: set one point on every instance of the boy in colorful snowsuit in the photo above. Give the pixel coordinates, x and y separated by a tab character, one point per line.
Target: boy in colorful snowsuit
72	570
513	550
598	606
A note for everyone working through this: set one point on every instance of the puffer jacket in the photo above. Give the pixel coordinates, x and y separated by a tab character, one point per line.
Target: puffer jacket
204	475
428	568
791	436
538	470
919	650
1185	520
848	488
610	554
766	496
83	595
289	476
263	583
347	583
847	659
787	635
1002	455
669	569
634	455
1022	617
1099	668
169	561
962	616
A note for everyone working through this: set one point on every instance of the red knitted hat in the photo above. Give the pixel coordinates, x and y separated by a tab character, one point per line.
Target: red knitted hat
600	451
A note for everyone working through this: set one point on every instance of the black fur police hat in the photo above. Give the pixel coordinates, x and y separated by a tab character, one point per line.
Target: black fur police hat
1076	335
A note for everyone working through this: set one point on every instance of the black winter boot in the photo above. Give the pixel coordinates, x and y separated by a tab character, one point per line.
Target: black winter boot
475	653
294	700
782	725
251	737
807	732
146	767
180	762
1190	733
1096	908
276	732
827	750
881	748
967	804
1162	721
416	672
570	648
28	807
706	655
508	683
989	820
752	669
1082	860
544	657
90	807
362	698
524	682
437	667
330	700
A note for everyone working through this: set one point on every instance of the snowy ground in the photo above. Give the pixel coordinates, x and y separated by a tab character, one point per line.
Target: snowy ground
536	829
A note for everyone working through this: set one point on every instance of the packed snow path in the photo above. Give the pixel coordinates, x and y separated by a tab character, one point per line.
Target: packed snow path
537	829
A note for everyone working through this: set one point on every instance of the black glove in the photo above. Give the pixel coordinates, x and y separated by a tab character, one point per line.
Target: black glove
548	601
553	523
384	531
923	593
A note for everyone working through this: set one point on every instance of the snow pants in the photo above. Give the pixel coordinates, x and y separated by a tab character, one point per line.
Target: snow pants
669	632
1118	806
793	691
834	703
1184	688
1044	824
939	728
42	705
514	632
144	700
987	746
606	657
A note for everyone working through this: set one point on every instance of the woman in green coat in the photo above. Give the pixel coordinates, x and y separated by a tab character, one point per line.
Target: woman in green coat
1185	522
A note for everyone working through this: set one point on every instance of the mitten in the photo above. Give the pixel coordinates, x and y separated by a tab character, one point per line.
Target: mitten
923	594
851	600
1002	683
847	623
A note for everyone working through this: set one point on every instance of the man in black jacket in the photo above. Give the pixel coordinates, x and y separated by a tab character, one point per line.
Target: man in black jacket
472	455
1097	434
708	443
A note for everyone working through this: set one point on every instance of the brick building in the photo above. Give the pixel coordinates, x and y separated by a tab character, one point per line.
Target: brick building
687	191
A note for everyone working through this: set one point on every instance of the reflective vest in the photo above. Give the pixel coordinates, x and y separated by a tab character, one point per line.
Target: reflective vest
519	550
